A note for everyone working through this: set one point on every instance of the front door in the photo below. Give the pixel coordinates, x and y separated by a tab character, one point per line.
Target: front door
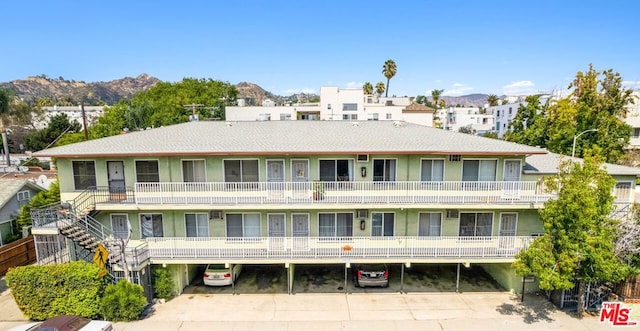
508	226
300	179
275	178
115	173
300	232
511	179
276	232
120	226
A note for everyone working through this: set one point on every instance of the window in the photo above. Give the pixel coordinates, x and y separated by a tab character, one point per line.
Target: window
151	225
264	117
636	133
384	170
197	225
350	117
240	171
335	225
382	224
430	224
498	114
479	170
432	171
509	110
193	171
622	192
508	224
147	171
243	225
285	117
23	196
389	116
372	117
476	224
84	174
349	106
336	170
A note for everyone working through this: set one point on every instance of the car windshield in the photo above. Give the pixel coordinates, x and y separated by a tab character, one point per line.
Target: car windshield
215	266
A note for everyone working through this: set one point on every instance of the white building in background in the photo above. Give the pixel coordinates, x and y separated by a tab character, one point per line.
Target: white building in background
338	104
633	119
503	114
454	118
74	113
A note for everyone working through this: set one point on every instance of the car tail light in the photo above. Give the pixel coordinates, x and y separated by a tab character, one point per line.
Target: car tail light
227	275
386	273
359	274
206	275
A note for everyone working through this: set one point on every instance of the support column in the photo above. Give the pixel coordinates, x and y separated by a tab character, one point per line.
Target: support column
346	268
458	279
402	279
290	276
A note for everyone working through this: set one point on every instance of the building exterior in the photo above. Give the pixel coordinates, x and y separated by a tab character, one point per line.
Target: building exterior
74	113
455	118
504	114
14	193
633	119
337	104
290	193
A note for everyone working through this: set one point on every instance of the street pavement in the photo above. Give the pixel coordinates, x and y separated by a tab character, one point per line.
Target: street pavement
337	311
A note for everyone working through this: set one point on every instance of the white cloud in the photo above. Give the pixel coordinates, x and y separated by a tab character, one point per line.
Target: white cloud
306	90
457	89
631	84
523	87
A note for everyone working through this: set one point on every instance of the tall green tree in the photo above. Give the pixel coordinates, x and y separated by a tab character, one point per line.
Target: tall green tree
435	96
389	70
380	88
57	127
492	100
577	246
367	88
529	126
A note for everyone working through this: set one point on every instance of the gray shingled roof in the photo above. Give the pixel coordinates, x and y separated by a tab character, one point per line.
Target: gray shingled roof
549	163
292	137
10	187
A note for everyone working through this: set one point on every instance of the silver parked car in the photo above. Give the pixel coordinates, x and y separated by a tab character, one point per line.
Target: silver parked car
371	275
66	322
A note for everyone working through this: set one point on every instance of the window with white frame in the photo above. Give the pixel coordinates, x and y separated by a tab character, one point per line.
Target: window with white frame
476	224
508	224
197	224
430	224
84	174
479	170
240	171
331	225
389	116
147	171
193	171
622	192
350	106
23	196
384	170
285	117
245	225
350	117
432	171
372	116
636	133
382	224
151	225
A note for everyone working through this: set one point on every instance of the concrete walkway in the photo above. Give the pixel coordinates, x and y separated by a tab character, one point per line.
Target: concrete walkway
363	311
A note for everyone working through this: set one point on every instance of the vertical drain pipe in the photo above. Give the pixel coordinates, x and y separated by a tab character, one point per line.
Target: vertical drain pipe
458	279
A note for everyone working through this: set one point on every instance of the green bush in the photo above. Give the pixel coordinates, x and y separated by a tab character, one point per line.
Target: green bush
123	301
163	284
43	292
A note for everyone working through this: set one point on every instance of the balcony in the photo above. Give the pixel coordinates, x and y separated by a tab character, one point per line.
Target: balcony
339	192
340	249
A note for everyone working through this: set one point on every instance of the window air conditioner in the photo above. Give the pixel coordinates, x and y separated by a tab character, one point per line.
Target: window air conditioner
215	214
452	213
362	158
362	213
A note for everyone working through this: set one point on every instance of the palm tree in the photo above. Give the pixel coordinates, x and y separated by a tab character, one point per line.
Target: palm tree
492	99
389	70
435	95
380	88
367	88
5	108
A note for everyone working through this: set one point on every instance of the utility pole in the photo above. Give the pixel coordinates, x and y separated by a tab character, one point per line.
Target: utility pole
84	121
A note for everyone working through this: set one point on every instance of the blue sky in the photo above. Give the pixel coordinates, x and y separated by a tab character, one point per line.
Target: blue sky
463	47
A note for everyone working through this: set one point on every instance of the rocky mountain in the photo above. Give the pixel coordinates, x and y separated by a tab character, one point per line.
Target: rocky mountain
254	95
470	100
62	91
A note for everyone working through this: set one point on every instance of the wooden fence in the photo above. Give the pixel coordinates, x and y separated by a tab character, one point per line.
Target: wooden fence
629	290
17	253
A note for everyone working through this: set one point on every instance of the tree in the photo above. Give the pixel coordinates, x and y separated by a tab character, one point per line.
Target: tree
380	88
492	99
367	88
468	129
529	126
389	70
435	95
578	241
57	127
6	97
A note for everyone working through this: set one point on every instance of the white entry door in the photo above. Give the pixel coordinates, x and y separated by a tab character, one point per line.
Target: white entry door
275	179
508	226
511	179
115	173
120	226
300	232
276	231
300	179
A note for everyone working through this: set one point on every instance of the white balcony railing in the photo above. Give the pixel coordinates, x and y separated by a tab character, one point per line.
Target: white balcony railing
336	248
341	192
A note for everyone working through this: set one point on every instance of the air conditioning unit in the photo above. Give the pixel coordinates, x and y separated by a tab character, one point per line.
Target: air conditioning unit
362	158
215	214
362	213
455	158
452	213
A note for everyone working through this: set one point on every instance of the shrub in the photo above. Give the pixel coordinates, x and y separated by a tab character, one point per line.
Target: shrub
43	292
123	301
163	284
